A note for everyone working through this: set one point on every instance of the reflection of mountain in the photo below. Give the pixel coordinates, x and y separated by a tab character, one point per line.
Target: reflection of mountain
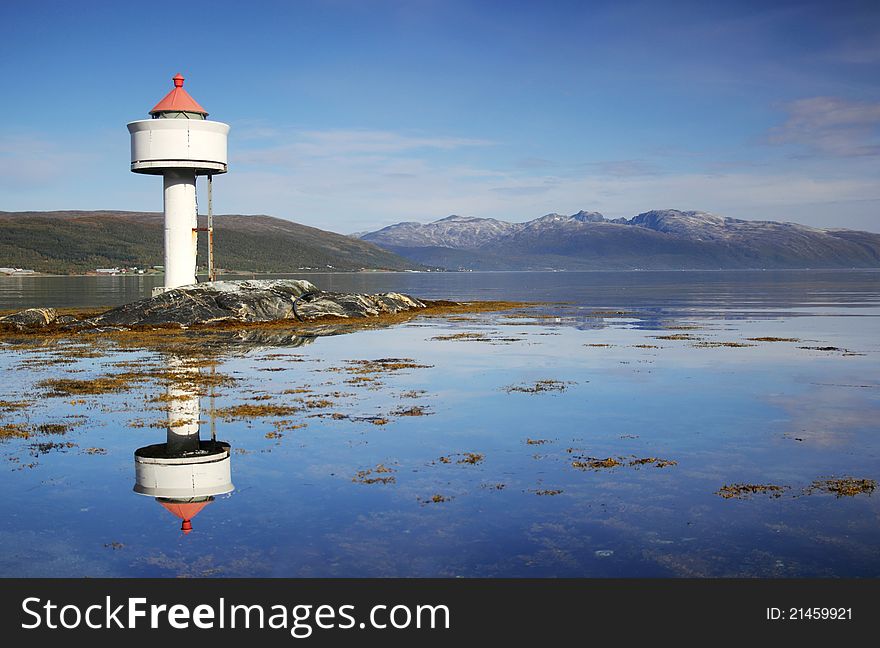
660	239
185	472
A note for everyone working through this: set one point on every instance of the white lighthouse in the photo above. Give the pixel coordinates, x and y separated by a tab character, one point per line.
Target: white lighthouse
179	143
184	473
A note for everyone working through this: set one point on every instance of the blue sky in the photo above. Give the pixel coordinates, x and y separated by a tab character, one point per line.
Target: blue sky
352	115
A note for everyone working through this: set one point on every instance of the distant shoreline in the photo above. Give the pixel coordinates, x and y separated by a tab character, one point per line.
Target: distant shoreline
231	273
245	275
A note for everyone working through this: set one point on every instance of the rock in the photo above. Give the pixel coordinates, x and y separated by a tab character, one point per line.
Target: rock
30	318
224	301
323	304
248	301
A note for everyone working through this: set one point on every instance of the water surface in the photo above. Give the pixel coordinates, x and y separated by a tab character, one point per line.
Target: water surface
498	476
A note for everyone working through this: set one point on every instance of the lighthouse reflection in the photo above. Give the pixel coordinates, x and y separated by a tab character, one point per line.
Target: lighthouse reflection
185	472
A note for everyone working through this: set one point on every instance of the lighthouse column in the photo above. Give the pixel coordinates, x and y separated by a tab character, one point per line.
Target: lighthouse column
180	219
183	411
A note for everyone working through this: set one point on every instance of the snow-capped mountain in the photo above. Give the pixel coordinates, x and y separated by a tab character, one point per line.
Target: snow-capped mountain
453	232
666	238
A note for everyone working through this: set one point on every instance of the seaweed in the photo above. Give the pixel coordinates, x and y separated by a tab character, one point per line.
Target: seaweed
591	463
367	476
481	337
435	499
745	491
540	387
14	431
843	486
53	428
14	406
411	411
253	411
676	336
658	463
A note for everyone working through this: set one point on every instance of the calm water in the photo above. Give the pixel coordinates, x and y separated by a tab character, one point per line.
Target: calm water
527	501
706	291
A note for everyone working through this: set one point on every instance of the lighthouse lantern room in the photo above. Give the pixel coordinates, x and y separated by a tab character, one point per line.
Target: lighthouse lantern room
179	143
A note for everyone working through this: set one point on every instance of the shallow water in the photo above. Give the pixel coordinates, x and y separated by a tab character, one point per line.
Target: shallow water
773	413
702	290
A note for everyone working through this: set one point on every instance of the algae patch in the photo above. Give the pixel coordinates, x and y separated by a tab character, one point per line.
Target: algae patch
676	336
540	387
844	486
411	411
481	337
13	406
591	463
381	474
656	462
594	463
471	458
13	431
435	499
102	385
53	428
745	491
248	411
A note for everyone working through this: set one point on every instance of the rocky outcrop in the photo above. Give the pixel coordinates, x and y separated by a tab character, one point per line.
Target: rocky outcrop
30	318
228	301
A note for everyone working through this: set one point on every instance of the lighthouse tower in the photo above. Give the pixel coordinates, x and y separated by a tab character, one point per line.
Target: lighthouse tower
179	143
184	473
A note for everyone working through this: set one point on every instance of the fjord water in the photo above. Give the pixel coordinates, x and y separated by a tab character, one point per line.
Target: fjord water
698	289
506	472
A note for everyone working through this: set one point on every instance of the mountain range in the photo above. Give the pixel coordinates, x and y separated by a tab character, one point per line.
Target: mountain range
81	241
658	239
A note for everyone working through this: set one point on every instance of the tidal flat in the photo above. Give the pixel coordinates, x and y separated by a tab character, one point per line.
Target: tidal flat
727	436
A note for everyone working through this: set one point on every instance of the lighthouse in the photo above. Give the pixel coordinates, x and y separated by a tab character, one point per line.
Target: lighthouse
184	473
179	143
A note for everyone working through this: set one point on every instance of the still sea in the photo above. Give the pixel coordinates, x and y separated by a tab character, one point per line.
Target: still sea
656	424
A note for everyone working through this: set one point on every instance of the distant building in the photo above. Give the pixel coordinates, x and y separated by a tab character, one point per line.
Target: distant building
16	271
110	271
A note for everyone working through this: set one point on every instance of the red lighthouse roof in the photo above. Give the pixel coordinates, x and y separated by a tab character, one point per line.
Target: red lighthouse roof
185	510
178	100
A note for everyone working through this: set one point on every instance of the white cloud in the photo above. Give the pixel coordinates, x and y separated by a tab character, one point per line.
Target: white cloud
292	148
831	126
360	194
355	180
